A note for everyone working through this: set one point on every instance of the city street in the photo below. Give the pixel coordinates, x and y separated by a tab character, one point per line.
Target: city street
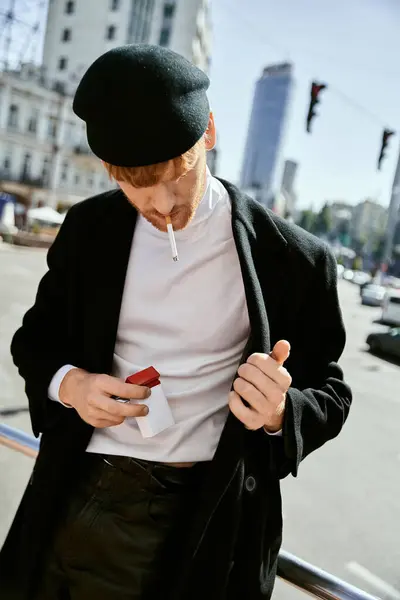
342	513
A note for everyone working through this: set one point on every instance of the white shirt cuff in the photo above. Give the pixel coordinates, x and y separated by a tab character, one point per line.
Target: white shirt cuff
276	433
55	383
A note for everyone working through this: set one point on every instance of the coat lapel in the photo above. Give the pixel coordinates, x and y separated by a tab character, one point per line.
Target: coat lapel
245	240
262	253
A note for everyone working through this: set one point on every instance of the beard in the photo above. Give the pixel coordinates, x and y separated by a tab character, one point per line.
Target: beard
180	217
182	214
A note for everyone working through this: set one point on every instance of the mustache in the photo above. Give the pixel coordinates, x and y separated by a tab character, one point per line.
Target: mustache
158	216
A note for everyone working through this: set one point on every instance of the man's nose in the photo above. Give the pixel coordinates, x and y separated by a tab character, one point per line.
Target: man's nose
163	200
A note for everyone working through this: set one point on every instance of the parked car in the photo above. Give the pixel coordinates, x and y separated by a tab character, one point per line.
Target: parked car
363	285
391	308
387	342
372	294
348	275
359	278
340	271
393	282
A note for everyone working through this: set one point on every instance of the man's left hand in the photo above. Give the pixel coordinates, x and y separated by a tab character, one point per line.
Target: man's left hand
262	383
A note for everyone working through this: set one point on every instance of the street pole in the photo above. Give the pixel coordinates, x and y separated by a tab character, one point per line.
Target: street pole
393	216
56	148
10	16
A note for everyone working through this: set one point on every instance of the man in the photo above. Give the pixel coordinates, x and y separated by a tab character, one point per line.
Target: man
190	510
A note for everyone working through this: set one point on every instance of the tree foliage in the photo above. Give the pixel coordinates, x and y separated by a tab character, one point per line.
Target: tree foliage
323	222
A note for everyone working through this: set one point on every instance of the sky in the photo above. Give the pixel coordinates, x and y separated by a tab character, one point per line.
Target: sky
352	45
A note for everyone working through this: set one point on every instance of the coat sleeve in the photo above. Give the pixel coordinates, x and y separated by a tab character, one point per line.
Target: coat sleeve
41	345
319	401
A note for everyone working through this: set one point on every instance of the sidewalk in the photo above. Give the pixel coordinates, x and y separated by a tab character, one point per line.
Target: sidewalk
6	247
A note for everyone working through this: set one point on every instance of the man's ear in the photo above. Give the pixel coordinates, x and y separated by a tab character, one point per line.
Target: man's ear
210	135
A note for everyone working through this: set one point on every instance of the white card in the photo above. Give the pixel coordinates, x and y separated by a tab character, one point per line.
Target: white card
160	415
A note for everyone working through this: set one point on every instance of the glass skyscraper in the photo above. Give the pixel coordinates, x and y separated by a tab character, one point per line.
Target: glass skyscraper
261	164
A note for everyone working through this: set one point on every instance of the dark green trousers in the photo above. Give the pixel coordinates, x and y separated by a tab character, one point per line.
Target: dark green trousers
122	528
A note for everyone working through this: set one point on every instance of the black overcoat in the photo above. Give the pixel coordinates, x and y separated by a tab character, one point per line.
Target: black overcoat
290	283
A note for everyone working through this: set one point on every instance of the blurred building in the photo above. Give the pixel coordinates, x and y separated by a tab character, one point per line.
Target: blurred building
262	165
340	210
369	219
396	240
212	160
287	186
289	174
394	268
78	32
44	157
341	215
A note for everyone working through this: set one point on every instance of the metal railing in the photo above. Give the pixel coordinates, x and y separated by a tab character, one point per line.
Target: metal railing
302	575
19	440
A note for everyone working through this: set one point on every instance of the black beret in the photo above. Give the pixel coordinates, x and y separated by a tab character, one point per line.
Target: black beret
142	105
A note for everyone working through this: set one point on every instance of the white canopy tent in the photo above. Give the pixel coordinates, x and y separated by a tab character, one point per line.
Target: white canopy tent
45	214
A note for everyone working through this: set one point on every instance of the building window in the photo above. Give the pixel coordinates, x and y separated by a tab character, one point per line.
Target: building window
111	31
169	10
33	121
66	35
164	36
77	179
115	5
26	167
64	171
62	63
13	116
7	166
70	7
69	137
90	180
52	128
46	171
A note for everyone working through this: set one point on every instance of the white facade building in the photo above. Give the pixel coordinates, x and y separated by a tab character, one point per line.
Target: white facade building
78	31
44	155
369	219
288	186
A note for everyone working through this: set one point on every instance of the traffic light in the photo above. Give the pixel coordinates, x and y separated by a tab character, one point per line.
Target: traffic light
316	89
387	133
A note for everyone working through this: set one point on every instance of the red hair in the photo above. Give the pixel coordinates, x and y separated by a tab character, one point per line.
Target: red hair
172	170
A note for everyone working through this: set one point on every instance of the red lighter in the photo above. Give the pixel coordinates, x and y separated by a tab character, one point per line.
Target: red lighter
149	377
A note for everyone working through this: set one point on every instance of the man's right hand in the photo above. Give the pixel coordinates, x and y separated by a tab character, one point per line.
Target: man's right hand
90	395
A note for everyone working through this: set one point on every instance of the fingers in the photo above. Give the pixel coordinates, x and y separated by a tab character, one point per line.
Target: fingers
101	424
260	367
265	401
260	393
101	420
117	409
97	417
249	417
281	351
253	396
116	387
